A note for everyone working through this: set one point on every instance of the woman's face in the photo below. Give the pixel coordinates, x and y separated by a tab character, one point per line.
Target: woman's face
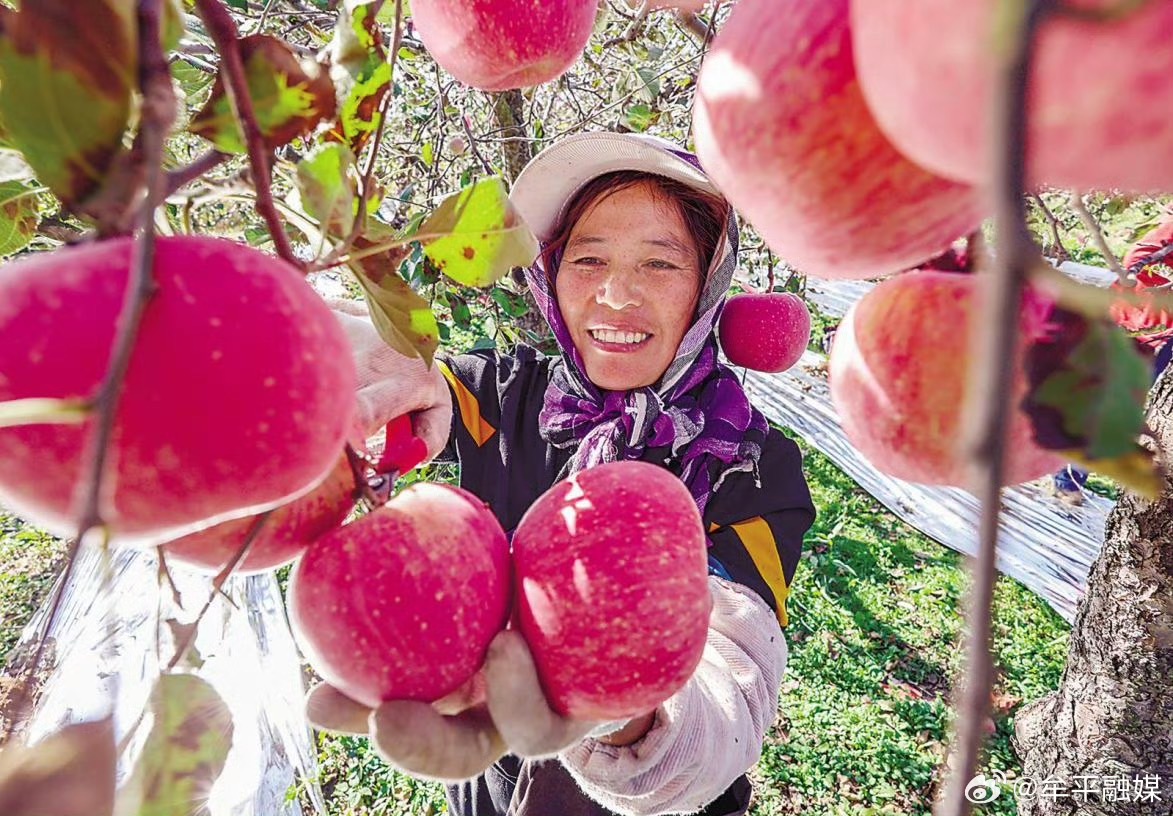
628	285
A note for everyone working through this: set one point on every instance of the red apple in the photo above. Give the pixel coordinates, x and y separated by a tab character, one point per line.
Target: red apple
783	130
402	603
611	571
899	369
283	536
496	45
238	396
765	331
1099	96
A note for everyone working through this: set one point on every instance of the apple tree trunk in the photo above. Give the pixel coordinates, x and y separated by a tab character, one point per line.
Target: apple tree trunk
1112	716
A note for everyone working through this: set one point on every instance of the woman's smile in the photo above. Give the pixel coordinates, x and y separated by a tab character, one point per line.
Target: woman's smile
628	285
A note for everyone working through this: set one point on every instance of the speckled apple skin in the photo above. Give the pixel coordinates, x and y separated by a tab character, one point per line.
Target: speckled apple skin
899	372
402	603
496	45
283	536
782	128
611	572
238	395
765	331
1100	94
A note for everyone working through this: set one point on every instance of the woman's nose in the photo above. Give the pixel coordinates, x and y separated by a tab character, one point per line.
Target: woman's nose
619	289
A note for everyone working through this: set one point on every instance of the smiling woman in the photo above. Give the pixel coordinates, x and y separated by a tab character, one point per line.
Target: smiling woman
638	252
628	281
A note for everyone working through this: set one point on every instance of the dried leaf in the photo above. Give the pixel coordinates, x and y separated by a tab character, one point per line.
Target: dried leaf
404	319
1088	384
290	97
185	751
326	187
360	72
19	216
475	236
53	55
69	773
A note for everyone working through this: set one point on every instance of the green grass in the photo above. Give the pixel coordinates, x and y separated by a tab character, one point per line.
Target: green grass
864	714
29	560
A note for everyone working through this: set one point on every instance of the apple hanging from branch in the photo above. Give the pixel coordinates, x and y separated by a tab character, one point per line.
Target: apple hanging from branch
765	331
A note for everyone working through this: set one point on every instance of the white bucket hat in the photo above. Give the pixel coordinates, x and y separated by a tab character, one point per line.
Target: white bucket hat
546	185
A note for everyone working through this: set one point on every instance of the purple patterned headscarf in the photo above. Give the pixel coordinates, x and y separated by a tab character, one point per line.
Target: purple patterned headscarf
698	408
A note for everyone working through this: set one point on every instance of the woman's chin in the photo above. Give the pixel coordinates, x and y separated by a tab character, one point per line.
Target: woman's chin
622	374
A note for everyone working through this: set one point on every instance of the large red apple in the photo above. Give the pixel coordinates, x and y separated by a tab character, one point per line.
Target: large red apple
765	331
402	603
899	371
612	590
1099	94
238	396
283	536
496	45
782	128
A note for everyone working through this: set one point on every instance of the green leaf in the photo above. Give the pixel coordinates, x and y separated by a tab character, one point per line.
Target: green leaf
1088	384
290	97
239	5
639	117
475	236
184	752
19	216
69	773
360	72
428	154
649	84
326	187
67	72
404	319
194	82
174	24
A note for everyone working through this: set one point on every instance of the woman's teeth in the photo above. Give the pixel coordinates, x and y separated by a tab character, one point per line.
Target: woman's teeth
627	338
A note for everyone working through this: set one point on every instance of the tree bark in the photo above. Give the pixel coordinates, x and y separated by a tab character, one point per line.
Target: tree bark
1112	717
509	111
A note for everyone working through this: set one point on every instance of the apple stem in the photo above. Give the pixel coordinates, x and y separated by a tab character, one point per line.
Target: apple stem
1016	254
222	29
158	113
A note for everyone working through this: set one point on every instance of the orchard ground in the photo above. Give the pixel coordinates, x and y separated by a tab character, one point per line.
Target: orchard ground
876	618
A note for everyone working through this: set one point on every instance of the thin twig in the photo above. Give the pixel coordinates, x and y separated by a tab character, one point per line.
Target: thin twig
217	587
158	112
359	224
1157	257
634	28
222	29
177	179
1093	227
472	145
996	355
368	172
694	25
1056	236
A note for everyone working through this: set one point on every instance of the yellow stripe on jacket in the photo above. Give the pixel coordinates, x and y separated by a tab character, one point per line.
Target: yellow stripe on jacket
758	540
470	410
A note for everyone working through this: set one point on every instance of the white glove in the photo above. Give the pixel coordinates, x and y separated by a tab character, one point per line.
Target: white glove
391	385
419	739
